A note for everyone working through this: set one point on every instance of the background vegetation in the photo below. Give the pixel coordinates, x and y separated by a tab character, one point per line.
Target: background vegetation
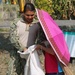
59	9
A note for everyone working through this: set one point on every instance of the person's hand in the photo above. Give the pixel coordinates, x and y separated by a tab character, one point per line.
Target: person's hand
38	47
25	49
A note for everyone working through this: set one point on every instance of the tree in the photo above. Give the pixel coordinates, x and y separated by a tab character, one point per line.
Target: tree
58	9
45	5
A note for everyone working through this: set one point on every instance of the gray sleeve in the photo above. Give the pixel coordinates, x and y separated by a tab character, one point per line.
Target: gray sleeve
33	32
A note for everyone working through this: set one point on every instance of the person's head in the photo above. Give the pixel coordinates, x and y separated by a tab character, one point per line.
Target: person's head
29	12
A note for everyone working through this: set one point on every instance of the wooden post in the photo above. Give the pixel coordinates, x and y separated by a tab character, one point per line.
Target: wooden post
22	3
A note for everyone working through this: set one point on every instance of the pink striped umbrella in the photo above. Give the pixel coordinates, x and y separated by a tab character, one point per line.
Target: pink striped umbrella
54	35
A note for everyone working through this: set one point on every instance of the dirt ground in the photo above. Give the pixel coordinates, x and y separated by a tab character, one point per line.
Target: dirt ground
4	57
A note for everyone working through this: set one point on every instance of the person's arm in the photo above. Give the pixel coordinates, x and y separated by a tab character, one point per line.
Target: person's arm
48	50
33	33
13	37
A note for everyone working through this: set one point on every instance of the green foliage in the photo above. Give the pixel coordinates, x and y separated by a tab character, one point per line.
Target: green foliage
59	9
53	7
45	5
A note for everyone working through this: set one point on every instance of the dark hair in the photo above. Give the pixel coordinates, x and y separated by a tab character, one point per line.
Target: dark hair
29	6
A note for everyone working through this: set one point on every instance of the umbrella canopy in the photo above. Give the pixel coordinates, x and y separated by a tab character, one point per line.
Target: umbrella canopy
54	35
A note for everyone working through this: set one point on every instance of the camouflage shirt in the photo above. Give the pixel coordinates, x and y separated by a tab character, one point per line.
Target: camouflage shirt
14	38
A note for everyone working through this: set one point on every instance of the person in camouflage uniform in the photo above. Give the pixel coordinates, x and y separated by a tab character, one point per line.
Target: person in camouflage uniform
19	31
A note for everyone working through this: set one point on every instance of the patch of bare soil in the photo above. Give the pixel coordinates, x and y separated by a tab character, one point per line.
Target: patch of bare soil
4	59
72	66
